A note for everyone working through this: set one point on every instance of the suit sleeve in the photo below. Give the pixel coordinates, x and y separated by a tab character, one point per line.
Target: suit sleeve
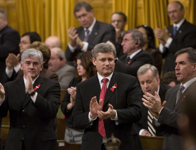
49	104
10	44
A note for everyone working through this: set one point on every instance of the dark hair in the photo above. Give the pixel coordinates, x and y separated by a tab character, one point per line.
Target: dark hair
191	54
86	61
44	49
33	36
3	13
80	5
150	36
120	13
170	76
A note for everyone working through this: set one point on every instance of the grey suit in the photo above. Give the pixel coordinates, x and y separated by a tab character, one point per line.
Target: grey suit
65	74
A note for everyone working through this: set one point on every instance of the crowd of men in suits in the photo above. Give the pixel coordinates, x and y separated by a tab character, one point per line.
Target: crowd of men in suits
125	98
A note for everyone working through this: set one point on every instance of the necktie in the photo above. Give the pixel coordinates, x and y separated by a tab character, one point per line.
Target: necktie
151	129
102	96
86	35
128	60
175	30
179	93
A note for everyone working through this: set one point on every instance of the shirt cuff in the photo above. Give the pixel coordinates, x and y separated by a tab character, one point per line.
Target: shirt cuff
161	48
17	68
168	42
115	118
72	49
140	133
9	72
2	100
89	118
85	46
34	97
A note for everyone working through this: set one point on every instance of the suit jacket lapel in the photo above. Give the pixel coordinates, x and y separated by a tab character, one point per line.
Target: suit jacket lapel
133	59
21	90
109	92
36	83
94	32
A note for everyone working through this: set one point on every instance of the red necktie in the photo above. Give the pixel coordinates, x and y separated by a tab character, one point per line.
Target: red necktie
102	96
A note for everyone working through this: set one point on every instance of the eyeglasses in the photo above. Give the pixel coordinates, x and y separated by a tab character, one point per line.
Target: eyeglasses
23	42
126	40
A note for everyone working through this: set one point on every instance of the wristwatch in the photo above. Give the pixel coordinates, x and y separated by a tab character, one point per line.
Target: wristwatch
32	93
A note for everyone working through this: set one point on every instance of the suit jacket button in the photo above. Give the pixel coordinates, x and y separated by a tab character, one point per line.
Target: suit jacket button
23	126
23	110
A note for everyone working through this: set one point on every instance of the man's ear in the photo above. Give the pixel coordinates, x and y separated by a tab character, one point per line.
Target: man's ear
94	60
21	65
194	67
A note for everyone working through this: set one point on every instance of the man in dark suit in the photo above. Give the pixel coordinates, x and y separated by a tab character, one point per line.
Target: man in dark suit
9	41
149	80
120	109
134	56
180	35
168	113
32	115
90	33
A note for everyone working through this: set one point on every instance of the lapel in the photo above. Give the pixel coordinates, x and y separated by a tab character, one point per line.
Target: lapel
135	57
20	90
36	83
81	33
94	32
109	92
180	30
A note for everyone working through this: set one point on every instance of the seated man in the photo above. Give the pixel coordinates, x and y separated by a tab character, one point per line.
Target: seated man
57	64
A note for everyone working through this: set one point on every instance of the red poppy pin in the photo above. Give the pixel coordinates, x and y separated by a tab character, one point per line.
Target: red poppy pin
37	87
183	97
113	87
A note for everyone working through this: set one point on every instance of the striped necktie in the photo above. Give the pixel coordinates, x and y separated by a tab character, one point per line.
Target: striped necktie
151	129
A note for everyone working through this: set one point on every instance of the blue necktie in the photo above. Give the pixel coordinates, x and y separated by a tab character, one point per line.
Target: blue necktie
86	35
175	30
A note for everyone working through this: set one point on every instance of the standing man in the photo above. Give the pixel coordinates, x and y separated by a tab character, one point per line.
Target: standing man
134	56
180	35
112	105
9	41
168	113
90	33
118	21
32	102
149	80
57	64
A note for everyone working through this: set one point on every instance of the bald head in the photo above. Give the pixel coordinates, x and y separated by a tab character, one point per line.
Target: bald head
53	41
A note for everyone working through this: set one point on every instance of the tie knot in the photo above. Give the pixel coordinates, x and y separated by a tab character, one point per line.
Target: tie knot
182	88
104	80
175	27
87	31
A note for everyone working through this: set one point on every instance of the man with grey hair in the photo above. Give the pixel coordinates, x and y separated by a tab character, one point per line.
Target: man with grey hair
90	33
134	56
180	34
57	64
107	104
32	102
9	42
149	80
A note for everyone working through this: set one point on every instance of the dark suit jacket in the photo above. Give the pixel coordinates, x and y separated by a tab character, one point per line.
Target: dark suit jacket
185	37
126	99
168	117
32	122
101	33
137	61
9	41
142	124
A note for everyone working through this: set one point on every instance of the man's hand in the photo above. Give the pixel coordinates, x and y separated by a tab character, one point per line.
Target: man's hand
29	85
79	42
146	133
162	34
72	34
153	103
95	107
2	91
110	113
12	61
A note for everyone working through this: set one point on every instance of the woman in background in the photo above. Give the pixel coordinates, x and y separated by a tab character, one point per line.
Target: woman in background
149	46
85	70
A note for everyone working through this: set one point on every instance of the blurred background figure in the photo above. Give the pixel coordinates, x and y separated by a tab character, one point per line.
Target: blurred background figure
170	79
57	64
53	41
85	70
149	46
118	21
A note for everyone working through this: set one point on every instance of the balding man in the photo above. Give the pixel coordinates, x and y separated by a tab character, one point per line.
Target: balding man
53	41
57	64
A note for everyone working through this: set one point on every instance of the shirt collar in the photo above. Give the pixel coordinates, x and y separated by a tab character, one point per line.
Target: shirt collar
100	77
135	53
179	23
91	27
188	83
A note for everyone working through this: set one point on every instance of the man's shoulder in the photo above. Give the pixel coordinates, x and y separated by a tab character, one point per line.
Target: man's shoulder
164	86
8	29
